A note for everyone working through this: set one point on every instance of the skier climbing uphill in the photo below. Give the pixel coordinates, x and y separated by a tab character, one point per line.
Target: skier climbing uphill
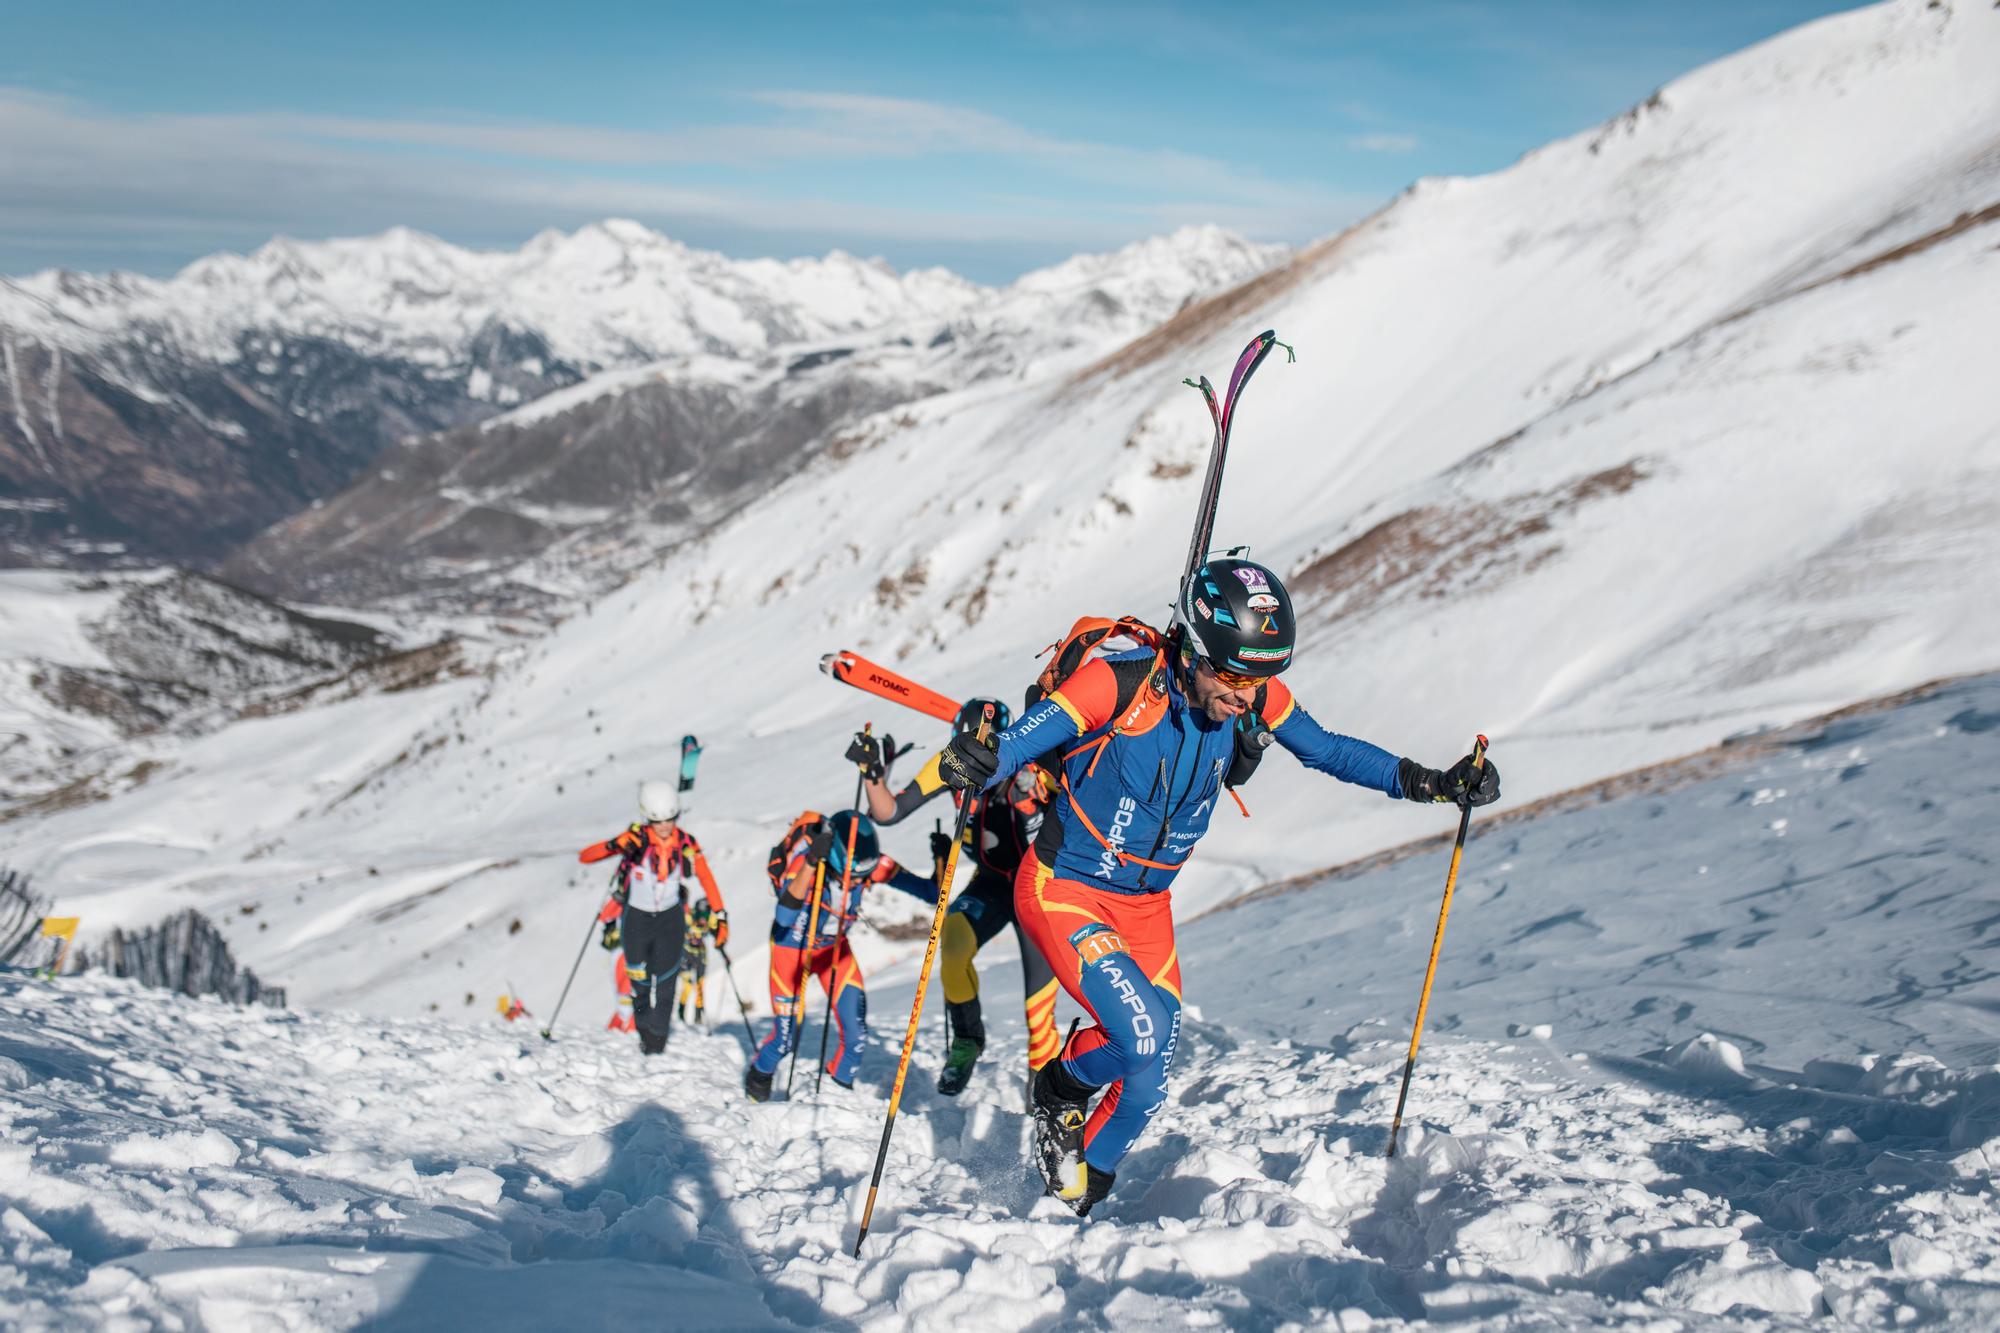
999	833
1147	737
655	859
701	925
807	872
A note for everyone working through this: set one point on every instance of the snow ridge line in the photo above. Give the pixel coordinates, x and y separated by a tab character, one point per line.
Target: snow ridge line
21	403
51	390
1654	779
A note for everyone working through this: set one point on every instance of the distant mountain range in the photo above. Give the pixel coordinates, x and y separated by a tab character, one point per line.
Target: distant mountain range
146	420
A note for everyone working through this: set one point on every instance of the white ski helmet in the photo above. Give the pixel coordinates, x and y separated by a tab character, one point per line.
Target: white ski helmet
659	801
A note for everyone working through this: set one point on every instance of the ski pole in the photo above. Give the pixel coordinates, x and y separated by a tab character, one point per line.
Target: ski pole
572	977
741	1010
923	981
1437	944
840	936
944	1011
805	970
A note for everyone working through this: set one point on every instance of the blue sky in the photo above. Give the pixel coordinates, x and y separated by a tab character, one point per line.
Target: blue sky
989	137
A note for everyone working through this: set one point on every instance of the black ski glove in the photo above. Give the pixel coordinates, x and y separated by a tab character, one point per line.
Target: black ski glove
969	763
821	844
1461	784
871	754
612	936
940	847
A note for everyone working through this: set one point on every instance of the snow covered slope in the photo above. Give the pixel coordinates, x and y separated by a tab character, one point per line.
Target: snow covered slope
1758	505
167	1160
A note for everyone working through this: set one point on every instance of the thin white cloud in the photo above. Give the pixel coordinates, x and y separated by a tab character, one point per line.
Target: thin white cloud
1383	142
168	183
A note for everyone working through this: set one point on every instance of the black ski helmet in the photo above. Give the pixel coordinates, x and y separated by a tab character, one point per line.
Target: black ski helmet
1236	615
972	711
867	851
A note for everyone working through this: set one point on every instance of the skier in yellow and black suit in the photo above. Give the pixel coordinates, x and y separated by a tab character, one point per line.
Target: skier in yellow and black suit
999	834
701	924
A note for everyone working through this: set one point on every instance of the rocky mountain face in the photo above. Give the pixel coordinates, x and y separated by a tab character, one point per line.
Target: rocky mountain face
145	420
102	673
140	450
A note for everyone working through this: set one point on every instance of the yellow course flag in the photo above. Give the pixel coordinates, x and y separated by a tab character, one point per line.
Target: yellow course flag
59	928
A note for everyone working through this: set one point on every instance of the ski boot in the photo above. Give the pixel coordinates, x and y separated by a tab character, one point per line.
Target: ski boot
968	1039
1096	1184
757	1084
1061	1105
652	1043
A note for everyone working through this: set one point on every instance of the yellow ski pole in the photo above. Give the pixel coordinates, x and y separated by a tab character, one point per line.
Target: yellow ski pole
805	970
923	981
1437	944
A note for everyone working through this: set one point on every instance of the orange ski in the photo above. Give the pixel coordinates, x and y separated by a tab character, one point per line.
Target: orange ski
863	674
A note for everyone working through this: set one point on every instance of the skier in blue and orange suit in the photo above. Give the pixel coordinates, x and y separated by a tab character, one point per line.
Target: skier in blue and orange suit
1147	739
998	834
655	861
812	869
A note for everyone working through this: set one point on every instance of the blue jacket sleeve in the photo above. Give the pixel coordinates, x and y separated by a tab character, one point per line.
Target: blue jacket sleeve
1344	757
1036	732
919	887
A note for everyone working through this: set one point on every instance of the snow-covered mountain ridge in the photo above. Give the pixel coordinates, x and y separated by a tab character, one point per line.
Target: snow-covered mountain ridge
590	482
614	293
287	369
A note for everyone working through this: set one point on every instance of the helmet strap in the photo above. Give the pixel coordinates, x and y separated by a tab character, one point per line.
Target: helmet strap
1184	655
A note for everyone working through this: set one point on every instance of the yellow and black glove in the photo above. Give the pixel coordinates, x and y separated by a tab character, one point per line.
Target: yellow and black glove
969	762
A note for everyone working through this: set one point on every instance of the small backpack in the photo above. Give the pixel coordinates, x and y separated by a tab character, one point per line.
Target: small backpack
806	825
1142	687
1092	637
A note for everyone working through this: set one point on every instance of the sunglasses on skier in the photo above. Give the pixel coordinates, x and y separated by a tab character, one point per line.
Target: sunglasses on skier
1234	680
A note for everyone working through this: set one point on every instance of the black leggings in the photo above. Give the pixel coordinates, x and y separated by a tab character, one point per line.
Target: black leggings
653	942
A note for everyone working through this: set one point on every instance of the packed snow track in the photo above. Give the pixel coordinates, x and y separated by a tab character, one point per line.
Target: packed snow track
184	1164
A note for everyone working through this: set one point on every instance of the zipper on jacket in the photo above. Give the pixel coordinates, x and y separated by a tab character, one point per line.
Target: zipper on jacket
1166	820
